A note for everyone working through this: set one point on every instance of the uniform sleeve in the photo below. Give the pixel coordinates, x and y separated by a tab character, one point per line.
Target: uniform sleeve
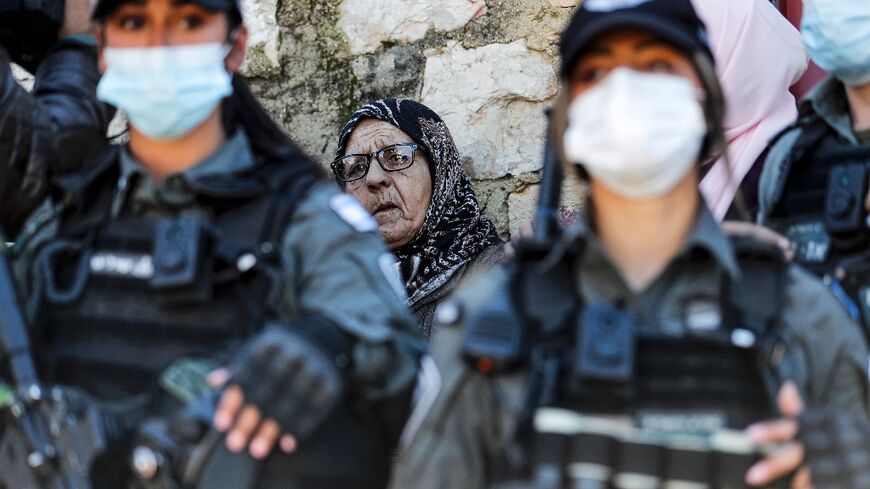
825	350
467	430
24	128
339	269
63	99
774	175
66	87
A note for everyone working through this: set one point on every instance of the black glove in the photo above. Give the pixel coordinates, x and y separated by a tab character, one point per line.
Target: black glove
837	450
294	377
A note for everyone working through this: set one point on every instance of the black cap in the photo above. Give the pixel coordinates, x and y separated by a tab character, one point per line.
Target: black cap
675	21
106	7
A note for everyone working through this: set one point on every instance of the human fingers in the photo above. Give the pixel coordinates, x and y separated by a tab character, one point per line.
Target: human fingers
218	377
776	431
244	427
288	443
802	480
789	400
228	408
779	464
265	438
760	233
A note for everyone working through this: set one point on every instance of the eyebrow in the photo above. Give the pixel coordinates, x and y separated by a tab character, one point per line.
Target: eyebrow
651	43
175	3
597	50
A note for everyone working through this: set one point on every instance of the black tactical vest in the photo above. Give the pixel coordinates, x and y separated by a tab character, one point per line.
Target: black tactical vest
601	363
822	212
125	297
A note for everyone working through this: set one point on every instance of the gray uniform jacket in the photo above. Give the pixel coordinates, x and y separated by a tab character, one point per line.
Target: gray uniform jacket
468	427
828	102
63	98
424	308
334	263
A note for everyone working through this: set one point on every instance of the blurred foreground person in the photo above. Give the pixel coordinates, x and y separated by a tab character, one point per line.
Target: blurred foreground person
814	186
629	352
211	240
398	158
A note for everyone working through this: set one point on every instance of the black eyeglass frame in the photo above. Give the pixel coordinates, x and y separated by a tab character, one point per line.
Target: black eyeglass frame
335	165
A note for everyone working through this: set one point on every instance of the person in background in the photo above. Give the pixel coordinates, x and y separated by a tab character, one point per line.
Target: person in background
759	55
813	188
398	158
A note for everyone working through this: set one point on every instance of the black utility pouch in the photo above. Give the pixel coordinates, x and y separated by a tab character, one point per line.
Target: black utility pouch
182	271
605	345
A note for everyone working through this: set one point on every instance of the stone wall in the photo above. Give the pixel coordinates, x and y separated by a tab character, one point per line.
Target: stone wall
488	67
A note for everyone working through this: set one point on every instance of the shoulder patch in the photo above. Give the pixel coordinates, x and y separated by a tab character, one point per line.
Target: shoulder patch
350	210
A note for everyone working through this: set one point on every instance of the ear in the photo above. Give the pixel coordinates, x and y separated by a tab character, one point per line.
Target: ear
100	35
237	53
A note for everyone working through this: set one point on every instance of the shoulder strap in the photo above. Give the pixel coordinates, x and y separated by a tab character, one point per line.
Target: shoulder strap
264	219
814	129
755	301
87	194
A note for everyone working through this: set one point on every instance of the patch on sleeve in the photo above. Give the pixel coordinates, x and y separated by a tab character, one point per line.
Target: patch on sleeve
350	210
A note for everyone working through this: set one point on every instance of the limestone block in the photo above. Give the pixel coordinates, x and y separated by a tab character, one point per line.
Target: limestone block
264	38
369	23
397	72
492	99
521	205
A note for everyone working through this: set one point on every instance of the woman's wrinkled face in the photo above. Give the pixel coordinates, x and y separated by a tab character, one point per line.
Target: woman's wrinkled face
398	200
628	48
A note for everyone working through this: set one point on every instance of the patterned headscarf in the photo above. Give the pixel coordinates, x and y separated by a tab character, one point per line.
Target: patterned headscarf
455	230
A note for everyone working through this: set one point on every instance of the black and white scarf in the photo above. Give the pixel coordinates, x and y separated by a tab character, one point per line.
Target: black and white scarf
455	231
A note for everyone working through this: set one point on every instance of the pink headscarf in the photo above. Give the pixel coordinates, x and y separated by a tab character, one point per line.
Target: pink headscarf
759	55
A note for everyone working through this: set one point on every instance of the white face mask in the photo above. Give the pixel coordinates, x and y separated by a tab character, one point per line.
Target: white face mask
636	133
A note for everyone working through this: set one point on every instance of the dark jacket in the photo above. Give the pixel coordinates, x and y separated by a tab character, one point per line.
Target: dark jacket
63	103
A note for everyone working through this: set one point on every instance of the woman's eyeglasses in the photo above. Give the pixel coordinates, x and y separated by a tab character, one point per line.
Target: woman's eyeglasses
392	158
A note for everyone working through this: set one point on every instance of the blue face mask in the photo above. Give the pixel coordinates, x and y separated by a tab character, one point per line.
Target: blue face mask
166	92
837	36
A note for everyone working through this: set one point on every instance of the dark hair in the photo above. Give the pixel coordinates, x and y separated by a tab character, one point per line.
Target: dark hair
242	110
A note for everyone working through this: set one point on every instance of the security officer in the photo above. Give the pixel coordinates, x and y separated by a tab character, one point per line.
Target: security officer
63	106
645	315
211	240
814	185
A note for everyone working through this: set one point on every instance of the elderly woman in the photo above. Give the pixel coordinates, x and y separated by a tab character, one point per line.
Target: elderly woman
419	195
